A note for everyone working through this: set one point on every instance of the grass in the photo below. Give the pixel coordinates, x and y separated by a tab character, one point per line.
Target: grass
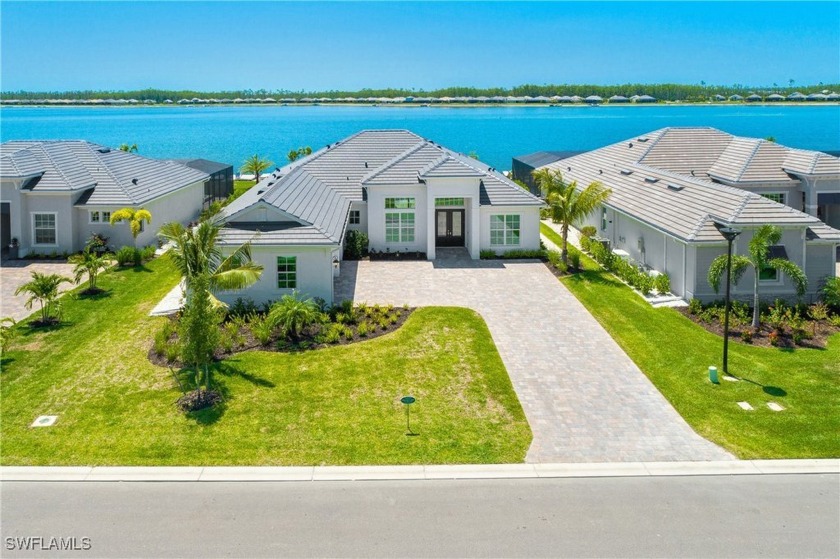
675	354
240	188
339	405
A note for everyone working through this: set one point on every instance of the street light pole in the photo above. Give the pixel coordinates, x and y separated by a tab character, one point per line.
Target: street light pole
729	234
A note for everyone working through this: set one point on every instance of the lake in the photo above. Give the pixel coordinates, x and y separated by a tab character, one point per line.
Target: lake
231	133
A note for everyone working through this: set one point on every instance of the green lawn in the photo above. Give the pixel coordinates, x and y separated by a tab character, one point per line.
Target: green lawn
338	405
240	188
675	354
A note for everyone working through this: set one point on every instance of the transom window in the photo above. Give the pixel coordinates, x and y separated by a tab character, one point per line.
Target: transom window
287	272
504	229
399	203
443	202
44	229
399	227
355	217
775	196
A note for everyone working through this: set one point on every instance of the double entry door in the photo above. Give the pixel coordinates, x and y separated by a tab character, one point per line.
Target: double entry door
449	228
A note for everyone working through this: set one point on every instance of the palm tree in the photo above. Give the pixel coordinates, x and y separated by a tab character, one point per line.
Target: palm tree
90	263
759	260
293	313
128	148
295	154
256	165
568	204
195	253
135	218
44	289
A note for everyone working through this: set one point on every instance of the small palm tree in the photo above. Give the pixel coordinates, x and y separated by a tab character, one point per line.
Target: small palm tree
256	165
759	260
293	313
135	218
90	263
128	148
568	204
195	253
44	289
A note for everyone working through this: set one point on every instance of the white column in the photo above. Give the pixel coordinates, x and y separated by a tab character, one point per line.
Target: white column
431	223
475	227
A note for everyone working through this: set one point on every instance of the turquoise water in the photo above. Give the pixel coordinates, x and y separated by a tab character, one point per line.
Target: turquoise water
496	134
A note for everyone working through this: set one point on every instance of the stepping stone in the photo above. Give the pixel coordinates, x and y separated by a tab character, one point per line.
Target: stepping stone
745	406
45	421
774	406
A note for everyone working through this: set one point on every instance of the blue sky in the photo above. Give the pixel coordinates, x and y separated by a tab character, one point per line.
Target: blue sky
322	46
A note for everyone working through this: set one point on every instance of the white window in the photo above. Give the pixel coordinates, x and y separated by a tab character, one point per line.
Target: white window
44	228
286	272
97	216
775	196
504	229
355	217
106	217
94	216
399	225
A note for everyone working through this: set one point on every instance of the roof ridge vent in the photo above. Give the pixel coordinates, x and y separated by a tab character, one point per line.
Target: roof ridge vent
626	172
674	187
651	179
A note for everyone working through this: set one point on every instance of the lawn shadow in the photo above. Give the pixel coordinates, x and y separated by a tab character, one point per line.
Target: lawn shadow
771	390
136	269
228	369
4	364
94	295
599	277
186	381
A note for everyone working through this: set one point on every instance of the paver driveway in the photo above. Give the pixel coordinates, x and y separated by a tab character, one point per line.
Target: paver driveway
585	400
14	273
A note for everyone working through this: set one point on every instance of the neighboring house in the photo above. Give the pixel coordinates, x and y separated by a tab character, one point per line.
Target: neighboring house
408	194
671	186
56	194
220	183
523	166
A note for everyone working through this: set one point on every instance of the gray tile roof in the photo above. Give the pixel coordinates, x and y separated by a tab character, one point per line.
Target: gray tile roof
117	178
651	181
318	189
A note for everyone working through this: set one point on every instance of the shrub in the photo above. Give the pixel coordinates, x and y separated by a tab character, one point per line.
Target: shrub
830	293
393	318
331	334
355	245
163	338
97	243
347	332
242	307
545	213
172	351
262	328
293	313
148	253
127	256
662	283
524	253
362	329
835	320
586	244
644	283
574	259
588	232
747	335
695	307
487	254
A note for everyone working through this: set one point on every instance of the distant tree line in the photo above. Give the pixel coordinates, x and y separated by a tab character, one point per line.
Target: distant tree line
662	92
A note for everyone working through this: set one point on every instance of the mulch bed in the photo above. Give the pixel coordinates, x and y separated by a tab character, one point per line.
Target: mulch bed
308	340
761	338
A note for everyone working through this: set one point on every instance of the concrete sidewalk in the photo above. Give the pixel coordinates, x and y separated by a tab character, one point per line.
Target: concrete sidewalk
380	473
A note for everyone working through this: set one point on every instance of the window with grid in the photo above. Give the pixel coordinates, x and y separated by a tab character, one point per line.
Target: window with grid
504	229
44	225
287	272
444	202
94	217
399	227
106	217
775	196
355	217
399	203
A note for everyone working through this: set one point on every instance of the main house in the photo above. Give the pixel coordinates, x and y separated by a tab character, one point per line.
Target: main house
56	194
406	193
672	186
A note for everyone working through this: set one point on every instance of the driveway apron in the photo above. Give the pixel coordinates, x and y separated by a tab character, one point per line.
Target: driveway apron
14	273
585	399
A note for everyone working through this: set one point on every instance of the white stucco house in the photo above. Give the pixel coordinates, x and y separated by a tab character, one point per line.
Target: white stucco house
55	194
670	188
407	193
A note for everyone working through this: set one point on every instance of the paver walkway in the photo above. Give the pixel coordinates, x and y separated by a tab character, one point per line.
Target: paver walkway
585	400
14	273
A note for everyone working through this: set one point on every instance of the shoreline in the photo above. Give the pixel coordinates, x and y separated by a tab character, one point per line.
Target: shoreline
429	106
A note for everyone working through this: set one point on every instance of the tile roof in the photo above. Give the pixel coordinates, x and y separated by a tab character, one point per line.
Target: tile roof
651	181
116	177
318	189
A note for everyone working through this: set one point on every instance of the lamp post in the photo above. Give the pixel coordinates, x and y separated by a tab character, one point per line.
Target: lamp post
729	234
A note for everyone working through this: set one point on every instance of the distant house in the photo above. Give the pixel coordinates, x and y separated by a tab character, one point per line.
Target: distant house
775	97
796	96
618	99
56	194
753	98
671	186
406	193
736	97
219	185
645	99
522	166
594	100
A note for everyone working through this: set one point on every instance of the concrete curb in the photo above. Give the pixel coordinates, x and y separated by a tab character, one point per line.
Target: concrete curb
380	473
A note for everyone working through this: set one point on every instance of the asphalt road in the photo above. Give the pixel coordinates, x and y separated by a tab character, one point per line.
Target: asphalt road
692	516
